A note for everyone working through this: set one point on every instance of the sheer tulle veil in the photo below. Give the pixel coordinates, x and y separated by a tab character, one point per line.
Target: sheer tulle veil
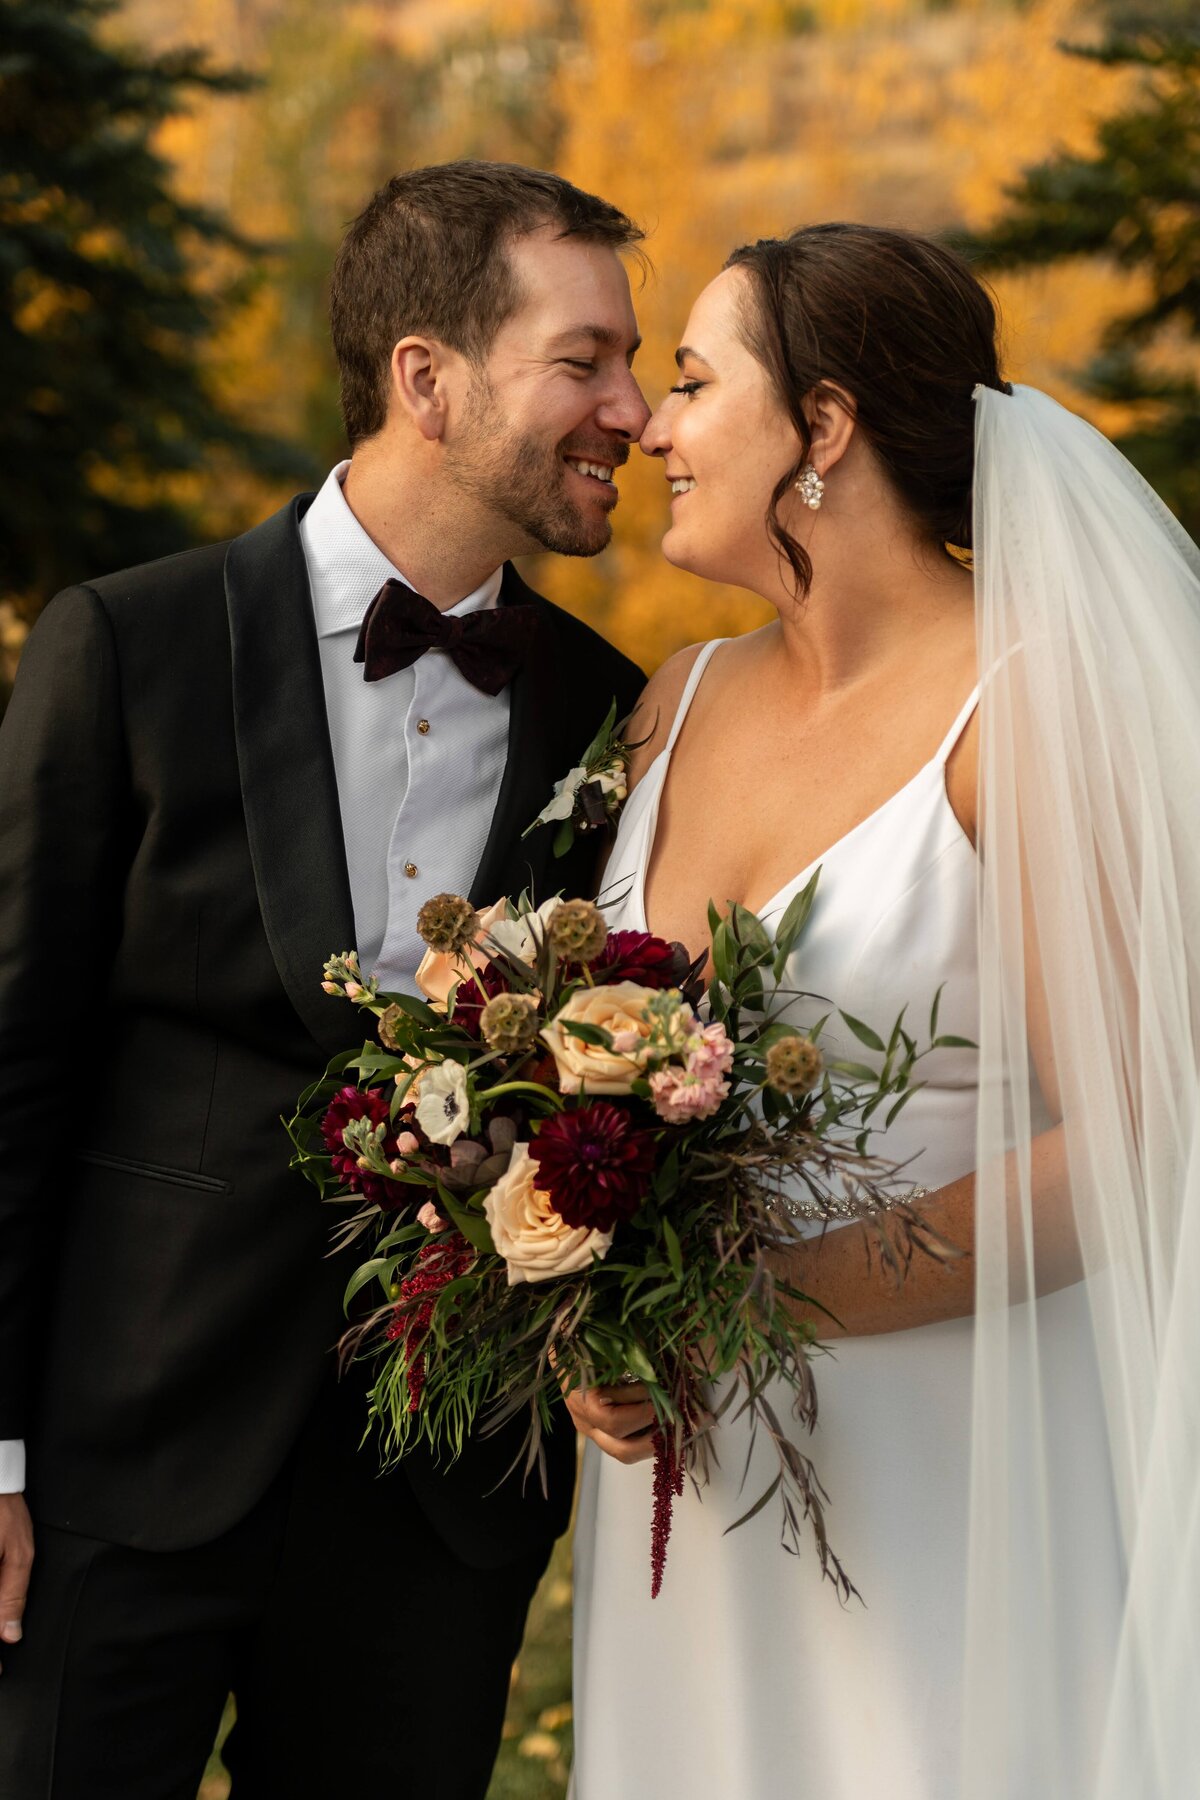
1088	612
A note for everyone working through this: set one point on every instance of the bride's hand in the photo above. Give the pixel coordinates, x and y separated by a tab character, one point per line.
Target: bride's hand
618	1420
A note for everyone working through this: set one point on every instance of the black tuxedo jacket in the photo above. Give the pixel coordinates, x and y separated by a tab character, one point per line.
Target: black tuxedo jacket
172	877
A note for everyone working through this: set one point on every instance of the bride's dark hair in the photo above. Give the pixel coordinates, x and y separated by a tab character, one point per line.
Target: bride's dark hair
901	325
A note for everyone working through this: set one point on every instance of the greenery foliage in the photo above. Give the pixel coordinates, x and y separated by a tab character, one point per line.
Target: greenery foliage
1133	201
111	289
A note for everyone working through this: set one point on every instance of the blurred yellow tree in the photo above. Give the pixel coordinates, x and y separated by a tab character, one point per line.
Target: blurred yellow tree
711	121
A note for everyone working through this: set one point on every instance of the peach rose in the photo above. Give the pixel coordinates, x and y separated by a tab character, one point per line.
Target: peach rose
437	973
534	1240
621	1010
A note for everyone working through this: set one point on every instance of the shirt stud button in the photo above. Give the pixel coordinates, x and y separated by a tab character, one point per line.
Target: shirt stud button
423	727
410	869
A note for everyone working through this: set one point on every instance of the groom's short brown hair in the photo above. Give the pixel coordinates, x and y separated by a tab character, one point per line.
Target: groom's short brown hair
428	254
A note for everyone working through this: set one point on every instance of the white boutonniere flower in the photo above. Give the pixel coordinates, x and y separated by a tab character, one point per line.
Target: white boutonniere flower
590	796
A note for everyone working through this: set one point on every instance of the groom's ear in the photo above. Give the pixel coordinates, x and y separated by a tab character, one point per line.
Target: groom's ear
423	374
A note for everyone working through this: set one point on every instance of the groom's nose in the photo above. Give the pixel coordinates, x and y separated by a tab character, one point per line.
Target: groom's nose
623	410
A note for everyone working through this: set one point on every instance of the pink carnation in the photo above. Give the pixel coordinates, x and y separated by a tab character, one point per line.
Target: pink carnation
680	1096
713	1054
696	1090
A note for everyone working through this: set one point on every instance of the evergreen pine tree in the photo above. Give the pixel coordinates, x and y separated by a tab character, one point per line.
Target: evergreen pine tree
1135	202
105	315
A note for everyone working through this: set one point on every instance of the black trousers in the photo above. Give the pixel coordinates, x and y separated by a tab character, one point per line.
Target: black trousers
365	1658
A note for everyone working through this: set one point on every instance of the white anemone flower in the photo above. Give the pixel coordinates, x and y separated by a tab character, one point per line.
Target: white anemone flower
444	1110
524	937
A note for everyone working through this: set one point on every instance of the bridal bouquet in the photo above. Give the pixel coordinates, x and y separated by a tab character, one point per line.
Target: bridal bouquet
577	1165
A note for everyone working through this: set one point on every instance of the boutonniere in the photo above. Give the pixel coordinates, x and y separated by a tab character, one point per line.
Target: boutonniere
590	796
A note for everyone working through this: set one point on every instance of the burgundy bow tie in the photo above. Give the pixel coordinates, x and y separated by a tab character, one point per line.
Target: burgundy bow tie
486	647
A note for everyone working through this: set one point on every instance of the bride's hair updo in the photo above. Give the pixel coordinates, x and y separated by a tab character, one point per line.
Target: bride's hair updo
901	325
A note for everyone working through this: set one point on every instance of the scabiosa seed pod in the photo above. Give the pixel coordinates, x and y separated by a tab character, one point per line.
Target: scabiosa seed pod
448	923
794	1065
389	1018
577	931
509	1023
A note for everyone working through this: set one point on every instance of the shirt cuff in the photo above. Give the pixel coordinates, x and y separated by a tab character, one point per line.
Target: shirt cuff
12	1465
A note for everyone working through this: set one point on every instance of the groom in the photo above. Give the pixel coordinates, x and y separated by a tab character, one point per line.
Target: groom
215	771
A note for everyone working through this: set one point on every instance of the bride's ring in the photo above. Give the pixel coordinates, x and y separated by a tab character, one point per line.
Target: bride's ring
628	1379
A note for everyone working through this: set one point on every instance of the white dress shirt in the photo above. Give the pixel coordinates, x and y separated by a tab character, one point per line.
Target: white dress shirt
12	1465
418	757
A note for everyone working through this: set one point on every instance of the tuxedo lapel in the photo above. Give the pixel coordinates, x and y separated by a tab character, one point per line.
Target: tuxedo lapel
537	733
289	789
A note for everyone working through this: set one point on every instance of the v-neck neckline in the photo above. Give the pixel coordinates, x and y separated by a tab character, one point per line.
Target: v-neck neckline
777	899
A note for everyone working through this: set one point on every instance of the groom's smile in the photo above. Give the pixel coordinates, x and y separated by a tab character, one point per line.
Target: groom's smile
593	471
560	407
597	468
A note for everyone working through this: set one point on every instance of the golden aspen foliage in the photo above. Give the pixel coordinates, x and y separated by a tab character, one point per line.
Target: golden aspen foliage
712	122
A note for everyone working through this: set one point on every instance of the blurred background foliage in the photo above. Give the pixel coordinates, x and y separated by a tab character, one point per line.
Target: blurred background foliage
174	178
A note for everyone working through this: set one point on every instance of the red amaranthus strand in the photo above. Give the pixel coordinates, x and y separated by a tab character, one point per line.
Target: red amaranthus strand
438	1264
668	1486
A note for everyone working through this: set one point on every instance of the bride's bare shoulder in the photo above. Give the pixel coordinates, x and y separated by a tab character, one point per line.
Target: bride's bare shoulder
655	711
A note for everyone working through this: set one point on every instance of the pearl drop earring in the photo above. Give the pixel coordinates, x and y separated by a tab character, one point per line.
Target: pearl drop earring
810	487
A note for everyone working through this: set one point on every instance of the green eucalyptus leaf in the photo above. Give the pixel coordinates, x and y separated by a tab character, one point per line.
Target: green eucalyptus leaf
416	1008
901	1103
601	738
750	932
364	1275
588	1034
373	1059
638	1363
673	1248
461	1284
664	1291
791	925
863	1033
772	1105
473	1225
724	954
564	837
855	1071
749	991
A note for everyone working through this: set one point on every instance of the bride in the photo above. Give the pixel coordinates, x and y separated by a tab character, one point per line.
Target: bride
993	770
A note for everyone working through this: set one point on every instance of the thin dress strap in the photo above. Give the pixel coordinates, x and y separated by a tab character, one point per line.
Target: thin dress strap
959	726
689	689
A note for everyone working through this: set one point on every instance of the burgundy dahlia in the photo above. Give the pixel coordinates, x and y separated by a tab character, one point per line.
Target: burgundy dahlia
473	993
637	956
595	1165
351	1103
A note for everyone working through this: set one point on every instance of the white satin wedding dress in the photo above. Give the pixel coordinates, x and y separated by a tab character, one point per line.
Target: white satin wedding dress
745	1679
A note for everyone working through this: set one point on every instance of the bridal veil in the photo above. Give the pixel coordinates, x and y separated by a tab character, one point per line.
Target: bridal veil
1088	613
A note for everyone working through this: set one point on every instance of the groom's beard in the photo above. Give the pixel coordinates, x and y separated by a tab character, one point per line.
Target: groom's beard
524	480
